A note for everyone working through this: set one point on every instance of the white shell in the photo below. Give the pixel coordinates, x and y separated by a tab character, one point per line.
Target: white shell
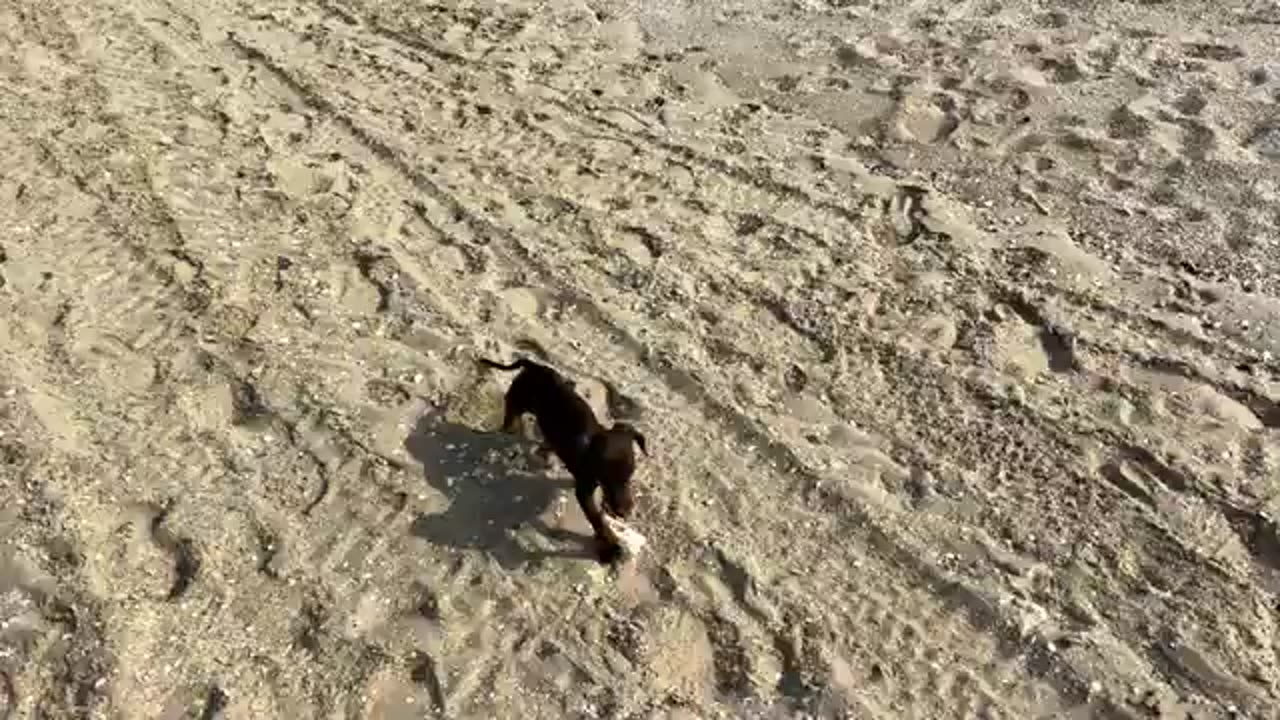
630	538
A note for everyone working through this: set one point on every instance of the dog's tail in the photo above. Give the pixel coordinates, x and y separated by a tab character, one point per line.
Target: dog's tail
635	434
517	365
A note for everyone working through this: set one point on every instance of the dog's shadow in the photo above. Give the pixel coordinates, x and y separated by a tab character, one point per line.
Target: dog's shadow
492	491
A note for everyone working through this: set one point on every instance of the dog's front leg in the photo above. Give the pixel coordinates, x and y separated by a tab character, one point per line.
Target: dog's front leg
607	545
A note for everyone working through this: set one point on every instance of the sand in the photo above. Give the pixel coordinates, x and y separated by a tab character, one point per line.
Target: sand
954	328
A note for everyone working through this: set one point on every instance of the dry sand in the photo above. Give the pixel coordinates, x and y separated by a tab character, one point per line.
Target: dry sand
953	327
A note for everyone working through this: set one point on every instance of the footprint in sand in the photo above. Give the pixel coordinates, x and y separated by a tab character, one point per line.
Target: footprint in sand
677	649
144	560
525	303
923	120
1265	141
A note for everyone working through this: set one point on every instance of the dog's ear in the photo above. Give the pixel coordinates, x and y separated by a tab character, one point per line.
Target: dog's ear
635	434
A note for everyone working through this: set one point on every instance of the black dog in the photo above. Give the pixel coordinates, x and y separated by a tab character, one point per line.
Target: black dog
595	456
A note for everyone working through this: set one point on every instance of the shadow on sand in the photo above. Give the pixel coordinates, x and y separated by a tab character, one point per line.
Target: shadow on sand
491	492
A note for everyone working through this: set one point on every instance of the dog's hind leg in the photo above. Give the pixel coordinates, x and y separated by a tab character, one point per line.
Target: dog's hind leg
511	412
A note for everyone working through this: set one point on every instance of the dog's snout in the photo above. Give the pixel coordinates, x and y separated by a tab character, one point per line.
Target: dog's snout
620	502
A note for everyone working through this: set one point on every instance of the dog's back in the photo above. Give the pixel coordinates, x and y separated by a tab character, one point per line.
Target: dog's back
565	420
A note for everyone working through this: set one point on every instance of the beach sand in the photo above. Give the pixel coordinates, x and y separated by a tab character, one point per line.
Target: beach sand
953	327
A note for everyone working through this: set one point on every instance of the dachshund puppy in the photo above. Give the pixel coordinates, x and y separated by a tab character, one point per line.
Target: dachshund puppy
594	456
